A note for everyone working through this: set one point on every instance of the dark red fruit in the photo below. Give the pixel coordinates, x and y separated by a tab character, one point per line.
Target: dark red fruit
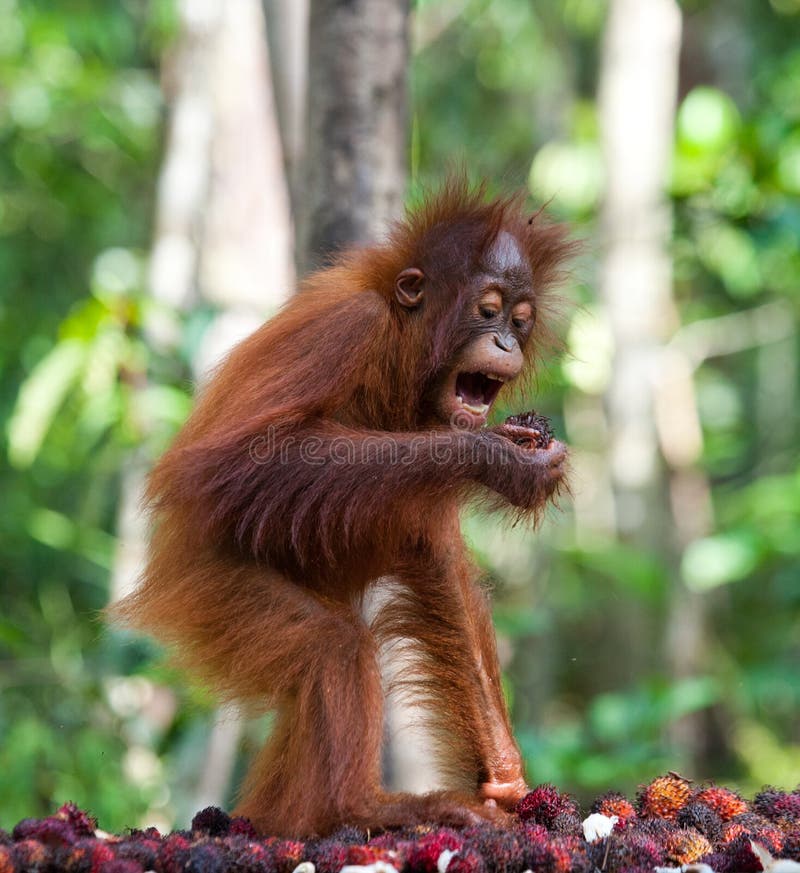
538	425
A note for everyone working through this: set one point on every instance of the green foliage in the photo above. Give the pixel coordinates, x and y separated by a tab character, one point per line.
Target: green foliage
509	88
617	739
588	622
80	126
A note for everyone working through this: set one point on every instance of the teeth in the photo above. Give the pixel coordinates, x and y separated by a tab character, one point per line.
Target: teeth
495	377
481	409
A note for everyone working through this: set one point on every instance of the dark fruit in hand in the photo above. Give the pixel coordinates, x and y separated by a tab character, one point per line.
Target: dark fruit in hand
541	434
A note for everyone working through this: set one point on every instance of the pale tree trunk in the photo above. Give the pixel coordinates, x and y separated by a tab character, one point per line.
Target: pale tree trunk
637	106
654	433
352	188
247	268
287	27
223	235
357	121
181	195
247	264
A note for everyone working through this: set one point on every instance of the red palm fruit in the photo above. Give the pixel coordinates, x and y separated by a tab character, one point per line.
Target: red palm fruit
243	854
87	854
664	797
501	849
362	856
742	858
686	845
725	803
625	852
126	865
614	803
775	805
288	854
702	818
51	831
732	831
143	851
424	854
467	861
174	853
242	827
212	821
543	804
31	855
7	862
534	834
559	856
81	822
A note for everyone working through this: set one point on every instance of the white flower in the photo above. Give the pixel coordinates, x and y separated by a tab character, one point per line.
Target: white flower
773	865
444	860
598	827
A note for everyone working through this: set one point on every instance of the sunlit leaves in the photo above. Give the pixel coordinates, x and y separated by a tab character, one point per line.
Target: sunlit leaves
40	398
788	164
718	560
569	173
79	124
510	87
731	253
733	190
770	507
767	758
708	125
588	365
116	271
708	121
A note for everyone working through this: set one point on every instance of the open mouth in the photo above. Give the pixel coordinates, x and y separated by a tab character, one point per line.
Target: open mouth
476	392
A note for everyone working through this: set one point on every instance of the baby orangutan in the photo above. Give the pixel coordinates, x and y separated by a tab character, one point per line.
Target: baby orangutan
333	448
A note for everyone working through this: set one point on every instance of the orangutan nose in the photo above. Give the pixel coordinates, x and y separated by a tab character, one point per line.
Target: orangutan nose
506	343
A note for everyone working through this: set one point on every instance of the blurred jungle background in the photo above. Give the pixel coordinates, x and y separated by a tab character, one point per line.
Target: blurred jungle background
167	167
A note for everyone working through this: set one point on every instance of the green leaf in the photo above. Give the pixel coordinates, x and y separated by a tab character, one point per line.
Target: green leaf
40	398
708	120
718	560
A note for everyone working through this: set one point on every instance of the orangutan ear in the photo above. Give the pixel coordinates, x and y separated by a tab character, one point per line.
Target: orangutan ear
408	287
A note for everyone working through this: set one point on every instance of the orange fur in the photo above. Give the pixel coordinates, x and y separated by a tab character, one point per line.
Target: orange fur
260	558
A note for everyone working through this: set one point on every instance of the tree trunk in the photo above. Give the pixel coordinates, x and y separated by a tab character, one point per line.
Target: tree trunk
222	235
247	265
353	185
181	196
357	122
637	108
287	29
657	487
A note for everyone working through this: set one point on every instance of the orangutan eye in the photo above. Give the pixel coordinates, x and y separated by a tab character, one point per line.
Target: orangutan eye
522	315
490	304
